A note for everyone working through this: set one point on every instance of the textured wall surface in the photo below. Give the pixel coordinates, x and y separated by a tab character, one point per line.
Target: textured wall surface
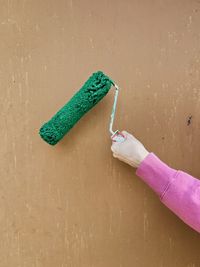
73	205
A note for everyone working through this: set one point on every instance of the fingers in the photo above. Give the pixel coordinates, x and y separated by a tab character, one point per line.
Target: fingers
124	133
115	145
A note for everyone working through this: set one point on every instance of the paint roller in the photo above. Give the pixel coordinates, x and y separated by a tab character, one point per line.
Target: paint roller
94	89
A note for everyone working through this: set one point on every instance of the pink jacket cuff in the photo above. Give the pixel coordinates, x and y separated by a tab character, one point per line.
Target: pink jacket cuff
155	173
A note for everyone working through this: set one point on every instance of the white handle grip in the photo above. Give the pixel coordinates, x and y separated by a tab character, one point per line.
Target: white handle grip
118	137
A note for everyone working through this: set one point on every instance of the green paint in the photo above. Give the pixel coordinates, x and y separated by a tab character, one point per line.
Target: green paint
94	89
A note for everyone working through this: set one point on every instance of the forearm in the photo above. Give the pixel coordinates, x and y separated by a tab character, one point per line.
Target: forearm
179	191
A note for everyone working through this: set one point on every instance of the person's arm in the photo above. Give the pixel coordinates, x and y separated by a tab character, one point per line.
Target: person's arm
179	191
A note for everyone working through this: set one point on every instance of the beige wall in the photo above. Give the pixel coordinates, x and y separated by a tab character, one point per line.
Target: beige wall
73	205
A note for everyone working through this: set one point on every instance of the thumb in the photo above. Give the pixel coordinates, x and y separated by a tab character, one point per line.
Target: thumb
124	132
114	147
129	135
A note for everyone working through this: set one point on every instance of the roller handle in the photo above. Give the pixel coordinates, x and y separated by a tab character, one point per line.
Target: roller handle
118	137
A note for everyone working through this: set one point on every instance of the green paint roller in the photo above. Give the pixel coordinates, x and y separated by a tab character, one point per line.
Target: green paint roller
94	89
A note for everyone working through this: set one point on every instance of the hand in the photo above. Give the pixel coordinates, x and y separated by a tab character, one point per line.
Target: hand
130	151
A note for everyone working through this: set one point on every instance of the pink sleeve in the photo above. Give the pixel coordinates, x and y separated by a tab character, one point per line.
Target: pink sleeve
179	191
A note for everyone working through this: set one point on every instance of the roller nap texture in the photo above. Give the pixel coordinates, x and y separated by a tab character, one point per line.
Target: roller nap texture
94	89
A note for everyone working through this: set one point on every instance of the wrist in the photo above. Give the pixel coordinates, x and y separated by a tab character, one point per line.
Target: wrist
142	157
